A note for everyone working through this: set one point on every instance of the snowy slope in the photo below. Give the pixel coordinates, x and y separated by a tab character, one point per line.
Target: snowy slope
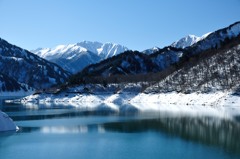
27	68
6	123
74	57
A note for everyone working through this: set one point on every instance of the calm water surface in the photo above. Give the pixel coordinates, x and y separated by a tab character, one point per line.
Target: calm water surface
67	132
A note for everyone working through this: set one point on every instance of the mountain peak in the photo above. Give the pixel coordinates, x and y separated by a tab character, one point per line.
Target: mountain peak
186	41
191	36
151	51
74	57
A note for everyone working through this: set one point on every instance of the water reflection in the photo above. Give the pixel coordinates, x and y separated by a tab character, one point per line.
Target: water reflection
90	106
72	130
63	130
211	131
5	135
60	113
223	133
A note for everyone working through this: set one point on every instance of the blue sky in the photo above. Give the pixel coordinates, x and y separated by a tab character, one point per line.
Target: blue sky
137	24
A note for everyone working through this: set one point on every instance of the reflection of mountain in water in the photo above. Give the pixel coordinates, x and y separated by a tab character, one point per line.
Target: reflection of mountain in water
64	114
211	131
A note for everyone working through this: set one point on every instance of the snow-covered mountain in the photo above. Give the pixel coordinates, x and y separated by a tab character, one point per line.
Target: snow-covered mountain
186	41
168	58
191	45
20	66
182	43
74	57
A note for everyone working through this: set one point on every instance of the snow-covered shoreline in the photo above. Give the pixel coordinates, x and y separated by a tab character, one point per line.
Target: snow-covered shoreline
221	103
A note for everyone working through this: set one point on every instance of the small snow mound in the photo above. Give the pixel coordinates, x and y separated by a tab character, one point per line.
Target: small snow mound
6	123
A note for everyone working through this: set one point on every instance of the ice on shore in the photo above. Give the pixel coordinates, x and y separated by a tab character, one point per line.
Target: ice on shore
6	123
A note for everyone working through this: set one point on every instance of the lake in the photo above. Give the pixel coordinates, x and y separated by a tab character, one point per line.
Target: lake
49	131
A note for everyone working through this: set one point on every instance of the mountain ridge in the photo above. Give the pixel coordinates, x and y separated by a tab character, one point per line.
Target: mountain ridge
131	63
82	54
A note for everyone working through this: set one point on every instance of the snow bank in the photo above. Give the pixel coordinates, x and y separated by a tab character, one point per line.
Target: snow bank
220	103
6	123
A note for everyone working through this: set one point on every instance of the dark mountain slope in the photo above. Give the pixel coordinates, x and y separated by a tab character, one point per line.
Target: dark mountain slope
8	84
28	68
127	63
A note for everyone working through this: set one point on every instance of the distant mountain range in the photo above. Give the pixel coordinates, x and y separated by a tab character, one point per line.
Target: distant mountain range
74	57
95	62
127	65
182	43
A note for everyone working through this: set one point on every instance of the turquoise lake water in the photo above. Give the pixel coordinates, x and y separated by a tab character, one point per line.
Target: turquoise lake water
67	132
